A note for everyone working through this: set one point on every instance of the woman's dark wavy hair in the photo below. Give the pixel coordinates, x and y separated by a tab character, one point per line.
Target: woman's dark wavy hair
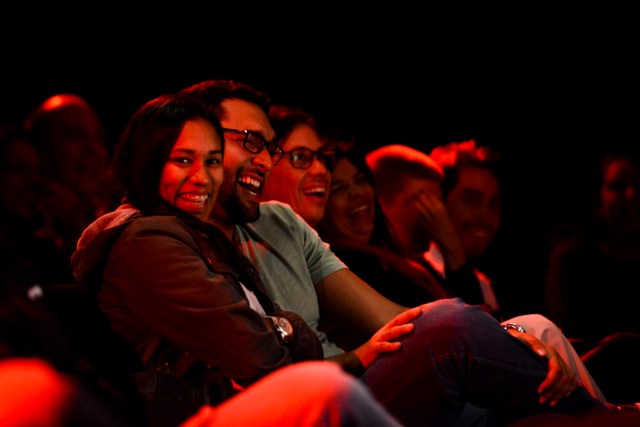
144	148
146	142
346	145
284	119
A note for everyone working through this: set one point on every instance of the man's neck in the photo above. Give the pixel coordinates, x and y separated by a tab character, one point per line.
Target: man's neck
228	229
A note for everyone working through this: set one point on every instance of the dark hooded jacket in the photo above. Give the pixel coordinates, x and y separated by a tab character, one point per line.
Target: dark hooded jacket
174	293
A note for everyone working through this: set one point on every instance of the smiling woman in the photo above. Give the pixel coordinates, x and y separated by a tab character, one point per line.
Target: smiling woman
191	177
186	299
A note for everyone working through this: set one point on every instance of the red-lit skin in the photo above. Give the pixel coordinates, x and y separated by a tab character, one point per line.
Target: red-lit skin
314	394
305	190
415	215
33	393
475	205
192	176
244	172
349	212
77	154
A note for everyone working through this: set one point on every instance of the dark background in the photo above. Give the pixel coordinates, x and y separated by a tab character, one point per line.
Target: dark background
550	89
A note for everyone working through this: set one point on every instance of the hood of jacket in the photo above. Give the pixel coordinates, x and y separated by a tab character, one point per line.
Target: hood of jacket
95	243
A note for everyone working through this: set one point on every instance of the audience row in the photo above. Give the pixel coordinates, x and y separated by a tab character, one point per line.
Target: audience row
236	249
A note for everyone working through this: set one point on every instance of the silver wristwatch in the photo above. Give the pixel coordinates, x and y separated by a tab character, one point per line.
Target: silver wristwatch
514	326
283	328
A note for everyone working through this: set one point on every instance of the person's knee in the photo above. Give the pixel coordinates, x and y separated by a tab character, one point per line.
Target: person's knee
324	378
449	317
537	325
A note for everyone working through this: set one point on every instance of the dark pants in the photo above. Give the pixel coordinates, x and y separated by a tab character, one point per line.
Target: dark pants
459	354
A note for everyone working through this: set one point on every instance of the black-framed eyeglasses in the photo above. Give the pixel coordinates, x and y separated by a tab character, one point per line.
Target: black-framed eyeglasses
302	158
254	143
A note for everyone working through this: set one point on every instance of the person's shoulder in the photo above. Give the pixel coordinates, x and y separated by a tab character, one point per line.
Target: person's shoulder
276	211
275	207
150	223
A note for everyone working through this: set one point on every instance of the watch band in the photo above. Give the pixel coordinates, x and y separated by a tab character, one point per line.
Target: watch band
514	326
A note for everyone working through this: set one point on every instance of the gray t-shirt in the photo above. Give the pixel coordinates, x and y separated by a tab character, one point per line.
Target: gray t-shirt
291	258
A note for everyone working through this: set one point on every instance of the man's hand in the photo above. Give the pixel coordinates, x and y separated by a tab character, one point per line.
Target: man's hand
560	381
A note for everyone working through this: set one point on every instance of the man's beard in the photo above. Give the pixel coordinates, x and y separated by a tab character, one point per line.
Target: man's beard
231	202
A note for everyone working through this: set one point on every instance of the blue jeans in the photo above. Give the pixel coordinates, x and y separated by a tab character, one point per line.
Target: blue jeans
459	354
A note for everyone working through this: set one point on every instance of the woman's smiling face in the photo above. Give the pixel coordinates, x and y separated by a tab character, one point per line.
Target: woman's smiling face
350	208
191	177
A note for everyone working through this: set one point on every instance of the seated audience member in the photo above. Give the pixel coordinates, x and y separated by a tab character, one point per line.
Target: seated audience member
178	291
29	254
35	394
592	270
407	183
605	253
473	199
37	327
42	384
69	134
301	274
352	215
354	227
307	162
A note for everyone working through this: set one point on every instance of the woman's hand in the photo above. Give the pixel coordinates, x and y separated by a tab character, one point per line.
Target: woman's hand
383	341
560	381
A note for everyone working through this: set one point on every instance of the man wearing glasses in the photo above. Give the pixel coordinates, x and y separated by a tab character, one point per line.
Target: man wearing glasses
419	367
302	179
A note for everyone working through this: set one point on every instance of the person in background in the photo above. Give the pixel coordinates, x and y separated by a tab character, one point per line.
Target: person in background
298	134
164	274
592	270
36	394
353	228
68	133
29	254
407	183
301	274
604	252
473	200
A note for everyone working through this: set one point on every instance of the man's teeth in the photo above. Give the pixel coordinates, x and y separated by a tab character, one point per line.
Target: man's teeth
247	180
317	191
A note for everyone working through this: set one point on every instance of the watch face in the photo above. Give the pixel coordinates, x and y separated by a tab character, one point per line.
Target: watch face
286	326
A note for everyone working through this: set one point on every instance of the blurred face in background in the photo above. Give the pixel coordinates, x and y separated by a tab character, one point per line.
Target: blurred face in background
349	213
302	177
404	223
76	149
20	193
474	206
620	195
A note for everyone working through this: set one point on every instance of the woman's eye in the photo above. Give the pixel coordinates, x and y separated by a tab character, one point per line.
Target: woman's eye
337	188
361	180
180	160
